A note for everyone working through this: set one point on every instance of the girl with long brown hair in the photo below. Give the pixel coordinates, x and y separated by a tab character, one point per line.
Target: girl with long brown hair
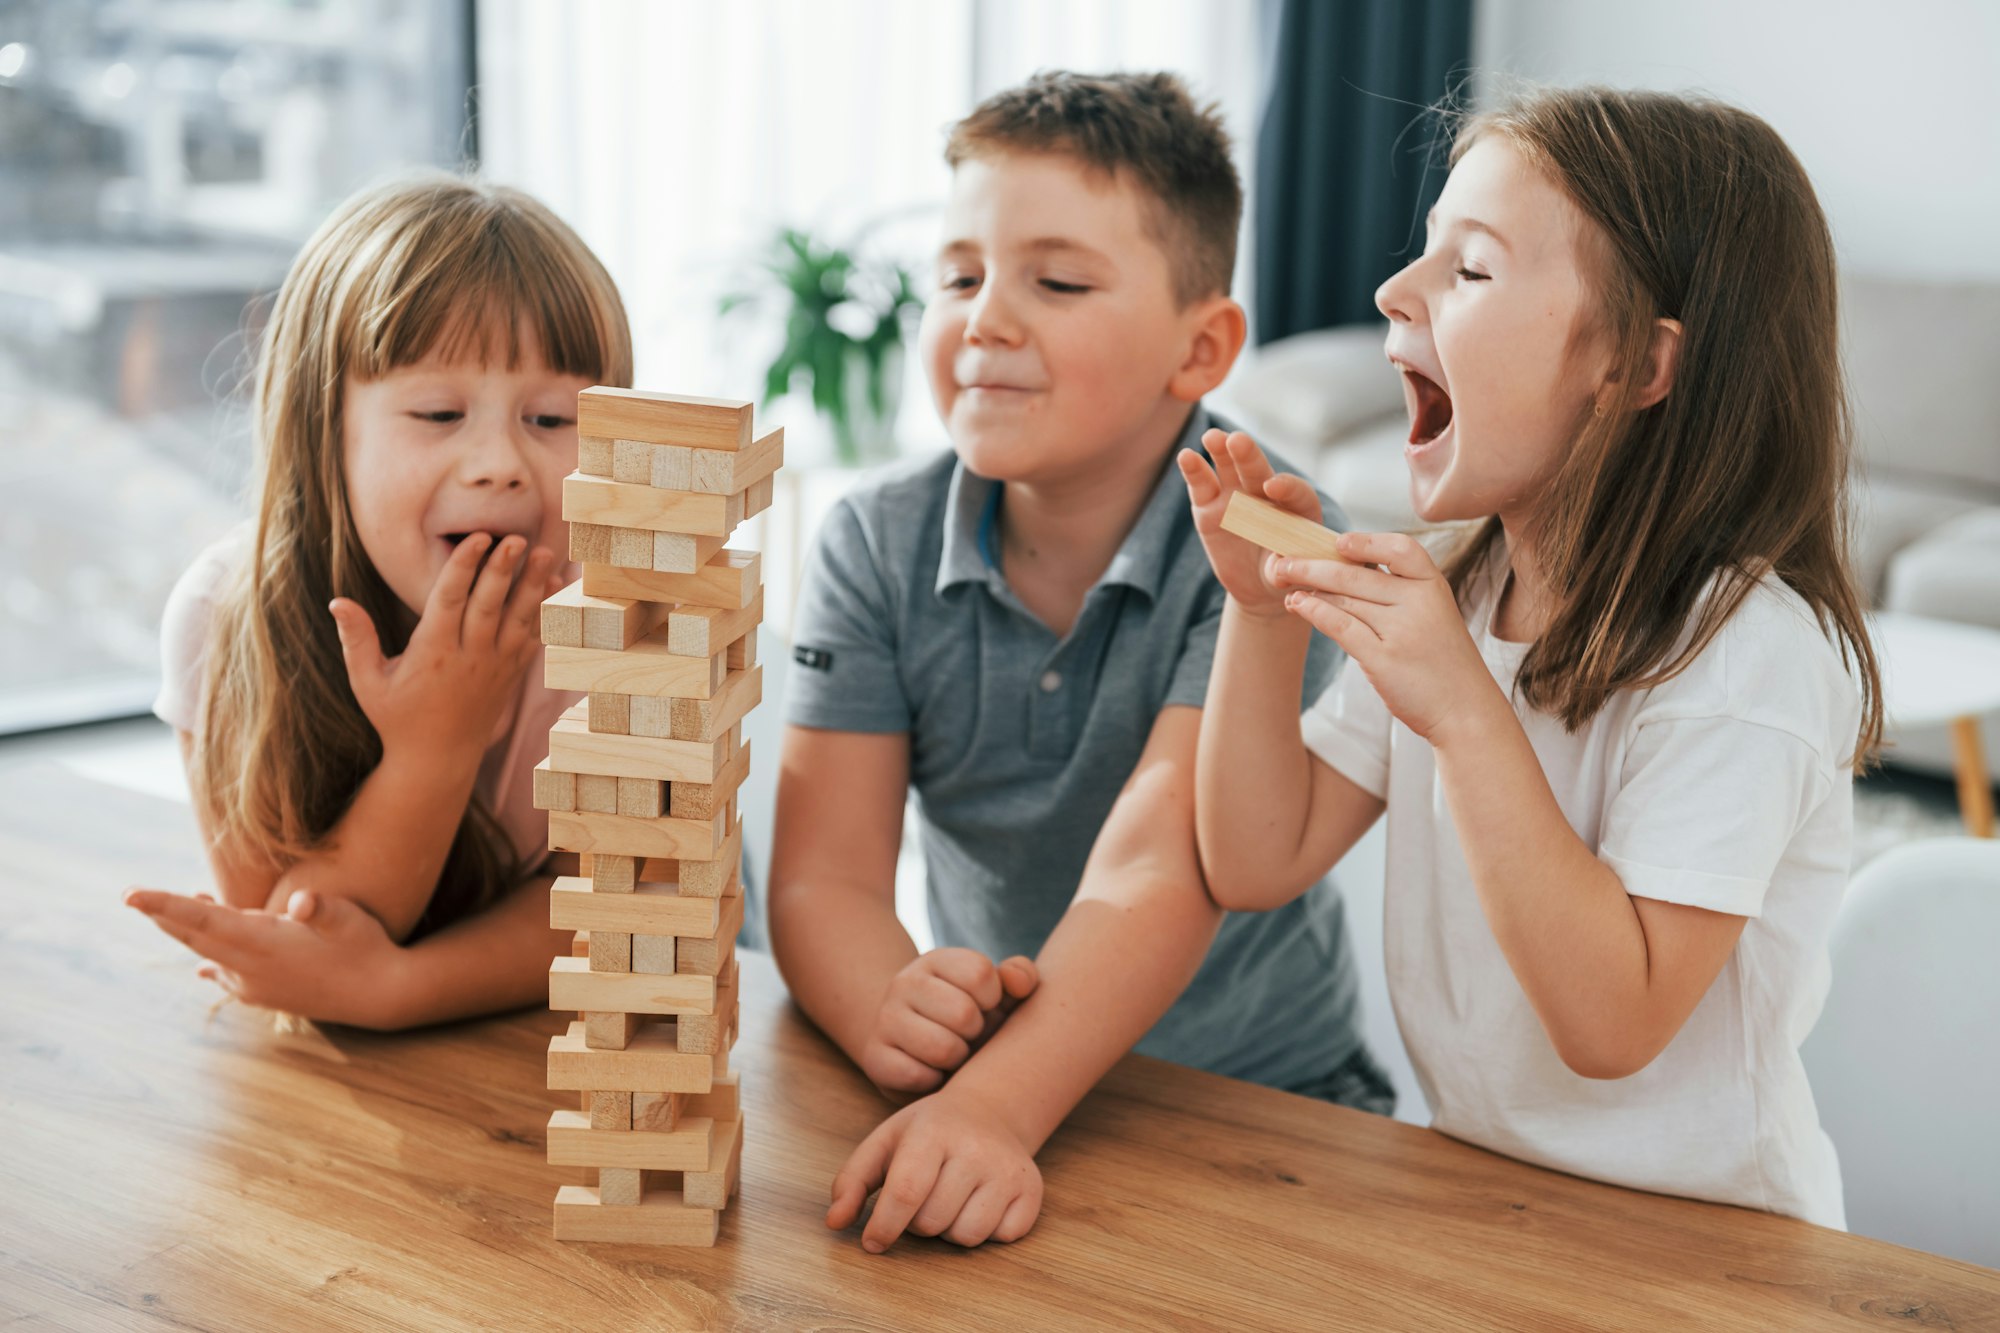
1615	731
356	675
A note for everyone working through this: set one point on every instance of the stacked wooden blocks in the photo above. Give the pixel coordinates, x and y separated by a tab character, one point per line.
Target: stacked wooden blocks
641	781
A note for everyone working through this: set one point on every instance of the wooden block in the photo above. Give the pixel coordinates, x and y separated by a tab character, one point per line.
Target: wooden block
708	956
605	1029
631	460
611	1110
579	944
742	654
653	715
659	1218
608	714
758	498
712	1187
1279	530
729	580
681	839
611	950
573	618
618	504
721	472
648	870
702	1034
554	790
641	798
705	720
719	1103
707	800
681	553
573	1141
613	874
590	543
595	454
649	1062
673	468
595	793
704	877
702	631
662	1111
618	1186
575	748
650	909
663	418
631	547
572	986
655	954
647	667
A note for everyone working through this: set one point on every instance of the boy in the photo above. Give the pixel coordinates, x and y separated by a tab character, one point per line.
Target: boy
1022	630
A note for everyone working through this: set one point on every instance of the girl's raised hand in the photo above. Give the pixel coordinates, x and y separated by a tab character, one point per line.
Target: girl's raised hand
323	957
1239	465
445	692
1400	624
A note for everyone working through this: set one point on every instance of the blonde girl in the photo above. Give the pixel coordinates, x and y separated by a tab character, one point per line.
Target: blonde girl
356	677
1615	730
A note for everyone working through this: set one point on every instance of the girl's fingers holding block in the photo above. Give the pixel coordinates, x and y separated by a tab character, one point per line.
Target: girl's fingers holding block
1399	553
1343	627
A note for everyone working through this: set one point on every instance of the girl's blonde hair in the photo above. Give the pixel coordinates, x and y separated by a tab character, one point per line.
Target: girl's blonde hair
432	264
1700	213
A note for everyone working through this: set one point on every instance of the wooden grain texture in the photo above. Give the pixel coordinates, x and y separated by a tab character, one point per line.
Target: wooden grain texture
663	418
728	581
617	504
647	667
1279	530
167	1167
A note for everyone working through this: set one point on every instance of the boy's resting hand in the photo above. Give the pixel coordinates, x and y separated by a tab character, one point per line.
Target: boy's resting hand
445	692
323	957
1242	566
948	1165
936	1013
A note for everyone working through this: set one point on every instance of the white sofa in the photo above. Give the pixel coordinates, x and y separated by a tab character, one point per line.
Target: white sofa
1923	363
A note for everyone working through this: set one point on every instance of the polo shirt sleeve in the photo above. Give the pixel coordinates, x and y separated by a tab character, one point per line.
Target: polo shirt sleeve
1189	684
843	675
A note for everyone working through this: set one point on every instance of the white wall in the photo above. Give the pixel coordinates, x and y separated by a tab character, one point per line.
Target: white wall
1891	107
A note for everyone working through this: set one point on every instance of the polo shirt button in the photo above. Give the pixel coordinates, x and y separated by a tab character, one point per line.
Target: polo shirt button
1051	681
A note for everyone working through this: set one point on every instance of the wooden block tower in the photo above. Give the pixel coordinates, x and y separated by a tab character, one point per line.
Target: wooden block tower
641	781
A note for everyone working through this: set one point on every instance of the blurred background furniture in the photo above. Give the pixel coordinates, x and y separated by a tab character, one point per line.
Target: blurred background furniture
1903	1063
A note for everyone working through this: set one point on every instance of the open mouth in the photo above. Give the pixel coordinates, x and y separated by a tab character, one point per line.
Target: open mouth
1430	413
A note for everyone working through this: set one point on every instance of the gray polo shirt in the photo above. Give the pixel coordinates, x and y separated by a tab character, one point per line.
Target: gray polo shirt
1020	741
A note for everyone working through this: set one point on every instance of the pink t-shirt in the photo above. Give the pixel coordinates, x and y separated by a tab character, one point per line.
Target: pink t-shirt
520	740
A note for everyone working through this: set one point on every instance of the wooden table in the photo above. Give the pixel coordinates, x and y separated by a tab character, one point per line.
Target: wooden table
162	1166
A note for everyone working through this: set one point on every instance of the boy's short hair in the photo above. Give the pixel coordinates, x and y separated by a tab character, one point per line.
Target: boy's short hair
1142	125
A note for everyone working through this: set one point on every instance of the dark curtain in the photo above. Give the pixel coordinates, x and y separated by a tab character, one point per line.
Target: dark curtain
1348	158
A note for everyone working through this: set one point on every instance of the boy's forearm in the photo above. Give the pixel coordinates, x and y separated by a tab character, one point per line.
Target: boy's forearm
386	853
493	961
838	946
1253	772
1089	1010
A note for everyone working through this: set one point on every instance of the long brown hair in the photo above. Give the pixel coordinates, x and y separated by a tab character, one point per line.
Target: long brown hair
1699	213
432	263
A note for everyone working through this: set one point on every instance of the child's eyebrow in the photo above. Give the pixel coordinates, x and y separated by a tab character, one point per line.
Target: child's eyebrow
1040	245
1469	224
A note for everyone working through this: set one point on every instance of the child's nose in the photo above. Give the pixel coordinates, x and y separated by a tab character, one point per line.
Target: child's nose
1398	297
494	458
992	318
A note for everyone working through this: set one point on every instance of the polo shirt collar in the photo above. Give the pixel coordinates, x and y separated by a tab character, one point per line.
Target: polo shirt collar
972	505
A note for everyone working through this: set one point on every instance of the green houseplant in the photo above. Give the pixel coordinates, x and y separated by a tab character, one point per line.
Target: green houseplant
844	335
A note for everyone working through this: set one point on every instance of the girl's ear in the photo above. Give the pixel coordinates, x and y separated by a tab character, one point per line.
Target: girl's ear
1662	360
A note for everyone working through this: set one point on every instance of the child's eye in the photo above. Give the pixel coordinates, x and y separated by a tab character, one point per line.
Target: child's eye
959	282
442	417
1065	288
1471	276
550	421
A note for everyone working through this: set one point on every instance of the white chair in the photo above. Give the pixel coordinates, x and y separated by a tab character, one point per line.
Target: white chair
1905	1062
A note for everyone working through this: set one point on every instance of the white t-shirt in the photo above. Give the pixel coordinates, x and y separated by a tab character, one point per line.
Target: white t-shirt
1728	787
520	739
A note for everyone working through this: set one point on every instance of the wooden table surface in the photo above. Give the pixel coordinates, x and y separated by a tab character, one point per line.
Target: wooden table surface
165	1167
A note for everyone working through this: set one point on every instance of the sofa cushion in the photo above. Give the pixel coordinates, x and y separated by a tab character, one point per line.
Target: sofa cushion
1951	574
